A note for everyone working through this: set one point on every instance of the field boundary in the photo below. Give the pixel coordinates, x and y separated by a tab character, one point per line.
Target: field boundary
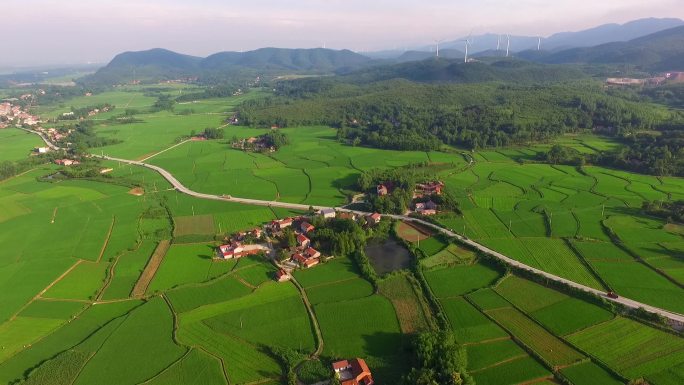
312	317
106	242
150	269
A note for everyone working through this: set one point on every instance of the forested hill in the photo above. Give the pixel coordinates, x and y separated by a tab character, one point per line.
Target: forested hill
404	115
160	64
456	71
661	51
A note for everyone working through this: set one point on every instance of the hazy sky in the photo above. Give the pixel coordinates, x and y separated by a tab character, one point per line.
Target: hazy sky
80	31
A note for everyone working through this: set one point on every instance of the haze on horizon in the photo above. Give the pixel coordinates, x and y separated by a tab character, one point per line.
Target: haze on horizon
55	32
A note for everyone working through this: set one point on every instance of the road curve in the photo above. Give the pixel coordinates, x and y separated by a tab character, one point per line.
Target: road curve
675	318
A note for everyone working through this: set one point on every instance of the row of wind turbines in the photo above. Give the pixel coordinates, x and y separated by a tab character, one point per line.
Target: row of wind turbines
469	43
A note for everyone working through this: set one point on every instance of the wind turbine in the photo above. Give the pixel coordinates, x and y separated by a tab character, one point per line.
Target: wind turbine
508	45
437	43
498	42
467	43
539	44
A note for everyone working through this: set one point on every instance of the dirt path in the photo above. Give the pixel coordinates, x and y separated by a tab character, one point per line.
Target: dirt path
150	269
106	242
314	320
164	150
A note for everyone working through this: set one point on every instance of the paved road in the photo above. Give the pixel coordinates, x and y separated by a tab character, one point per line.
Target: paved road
677	319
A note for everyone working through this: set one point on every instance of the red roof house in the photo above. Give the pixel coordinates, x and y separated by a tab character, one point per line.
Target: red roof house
353	372
282	276
310	252
303	241
307	227
305	262
281	224
375	218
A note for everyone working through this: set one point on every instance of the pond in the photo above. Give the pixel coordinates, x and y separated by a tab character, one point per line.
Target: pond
388	255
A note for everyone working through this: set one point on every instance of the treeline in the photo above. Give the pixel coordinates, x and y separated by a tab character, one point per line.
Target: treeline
672	211
84	137
9	169
660	153
83	112
402	115
438	359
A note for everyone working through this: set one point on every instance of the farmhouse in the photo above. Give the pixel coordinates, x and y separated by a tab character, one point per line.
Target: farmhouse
67	162
374	218
282	275
306	227
303	241
328	213
42	150
426	208
310	252
353	372
279	225
237	250
382	190
430	188
305	262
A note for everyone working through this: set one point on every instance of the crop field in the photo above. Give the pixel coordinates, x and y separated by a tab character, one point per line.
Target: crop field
458	280
487	354
555	311
411	233
16	144
550	255
196	367
337	270
412	311
519	371
468	324
200	224
487	299
451	255
191	297
352	288
631	348
589	373
127	271
546	345
373	332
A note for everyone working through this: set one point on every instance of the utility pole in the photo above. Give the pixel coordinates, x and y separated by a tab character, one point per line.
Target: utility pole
603	210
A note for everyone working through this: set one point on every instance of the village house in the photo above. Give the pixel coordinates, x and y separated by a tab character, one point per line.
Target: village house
426	208
305	262
42	150
374	218
303	241
282	275
349	216
430	188
382	190
328	213
279	225
67	162
310	253
237	250
306	227
353	372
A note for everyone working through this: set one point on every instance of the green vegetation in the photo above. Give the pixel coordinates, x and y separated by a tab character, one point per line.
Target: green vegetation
439	359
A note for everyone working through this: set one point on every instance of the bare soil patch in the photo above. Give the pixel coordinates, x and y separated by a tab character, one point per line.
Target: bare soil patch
412	232
151	269
138	191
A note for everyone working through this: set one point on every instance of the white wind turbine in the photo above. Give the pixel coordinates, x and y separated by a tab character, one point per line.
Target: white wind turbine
437	43
539	44
508	45
468	43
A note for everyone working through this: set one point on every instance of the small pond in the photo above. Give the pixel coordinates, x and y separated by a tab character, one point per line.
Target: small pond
388	255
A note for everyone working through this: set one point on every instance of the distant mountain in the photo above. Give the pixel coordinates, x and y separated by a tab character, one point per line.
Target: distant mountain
160	64
410	56
661	51
455	71
602	34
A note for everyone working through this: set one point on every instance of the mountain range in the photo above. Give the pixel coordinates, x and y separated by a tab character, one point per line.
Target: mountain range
659	51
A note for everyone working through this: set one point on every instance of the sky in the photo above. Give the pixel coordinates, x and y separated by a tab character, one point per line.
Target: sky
48	32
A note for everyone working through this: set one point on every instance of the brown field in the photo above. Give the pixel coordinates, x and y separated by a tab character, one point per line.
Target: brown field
194	225
138	191
412	233
412	313
151	268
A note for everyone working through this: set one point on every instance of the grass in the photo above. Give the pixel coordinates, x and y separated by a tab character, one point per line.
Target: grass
468	324
488	354
184	264
631	348
432	246
192	225
138	349
16	144
339	269
451	255
192	297
195	368
589	373
487	299
549	347
52	309
514	372
83	282
339	291
458	280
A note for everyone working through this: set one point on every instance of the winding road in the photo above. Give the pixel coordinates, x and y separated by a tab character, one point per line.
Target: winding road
677	320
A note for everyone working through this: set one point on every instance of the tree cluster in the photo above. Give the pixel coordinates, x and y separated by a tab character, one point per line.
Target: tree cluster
672	211
439	360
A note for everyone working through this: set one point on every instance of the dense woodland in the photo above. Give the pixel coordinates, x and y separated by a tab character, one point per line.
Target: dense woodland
402	115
